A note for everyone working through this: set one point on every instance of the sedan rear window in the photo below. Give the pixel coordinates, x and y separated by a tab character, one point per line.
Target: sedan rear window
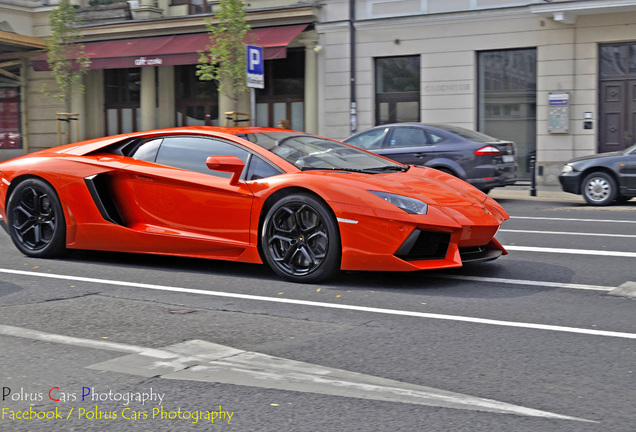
468	134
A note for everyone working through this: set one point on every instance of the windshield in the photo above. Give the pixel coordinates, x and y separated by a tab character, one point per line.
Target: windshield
631	150
311	152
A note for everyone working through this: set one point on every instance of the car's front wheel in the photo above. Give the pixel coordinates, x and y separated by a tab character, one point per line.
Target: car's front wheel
599	189
300	239
36	220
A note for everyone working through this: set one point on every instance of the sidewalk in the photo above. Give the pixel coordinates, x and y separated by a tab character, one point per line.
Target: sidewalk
543	193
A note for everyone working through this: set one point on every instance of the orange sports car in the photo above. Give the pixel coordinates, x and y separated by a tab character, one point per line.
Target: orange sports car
307	206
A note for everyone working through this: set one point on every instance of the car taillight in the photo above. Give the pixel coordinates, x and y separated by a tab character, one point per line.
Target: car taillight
487	151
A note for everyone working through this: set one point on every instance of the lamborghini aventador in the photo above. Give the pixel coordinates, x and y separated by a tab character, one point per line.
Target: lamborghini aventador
305	205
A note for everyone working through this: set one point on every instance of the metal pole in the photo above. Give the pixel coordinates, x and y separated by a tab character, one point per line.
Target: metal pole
353	119
253	106
533	172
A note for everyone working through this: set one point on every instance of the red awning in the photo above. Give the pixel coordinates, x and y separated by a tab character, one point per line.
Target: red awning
174	50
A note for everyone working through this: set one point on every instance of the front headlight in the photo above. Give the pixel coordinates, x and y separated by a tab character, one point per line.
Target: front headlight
567	169
408	204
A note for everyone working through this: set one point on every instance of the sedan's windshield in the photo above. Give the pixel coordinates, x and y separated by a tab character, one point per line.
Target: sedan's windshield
311	152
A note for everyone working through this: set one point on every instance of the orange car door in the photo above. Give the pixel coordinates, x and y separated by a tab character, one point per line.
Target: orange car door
178	194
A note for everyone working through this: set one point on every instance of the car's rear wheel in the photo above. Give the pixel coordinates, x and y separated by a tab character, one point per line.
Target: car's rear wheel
599	189
300	239
36	220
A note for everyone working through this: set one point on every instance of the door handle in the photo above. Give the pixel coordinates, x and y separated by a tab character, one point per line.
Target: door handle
143	178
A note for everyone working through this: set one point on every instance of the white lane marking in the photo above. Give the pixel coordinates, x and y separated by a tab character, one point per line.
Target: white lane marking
573	219
571	251
328	305
568	233
203	361
85	343
527	282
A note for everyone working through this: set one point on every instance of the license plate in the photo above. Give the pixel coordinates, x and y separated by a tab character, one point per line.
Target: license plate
508	158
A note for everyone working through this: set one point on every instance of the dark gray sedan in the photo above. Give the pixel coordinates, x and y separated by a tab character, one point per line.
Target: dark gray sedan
481	160
602	178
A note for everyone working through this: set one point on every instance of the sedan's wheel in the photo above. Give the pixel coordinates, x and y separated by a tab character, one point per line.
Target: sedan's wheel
599	189
300	239
35	219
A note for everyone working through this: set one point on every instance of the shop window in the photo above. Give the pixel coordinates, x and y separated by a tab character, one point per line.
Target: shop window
197	102
283	97
397	89
10	136
508	100
122	90
194	6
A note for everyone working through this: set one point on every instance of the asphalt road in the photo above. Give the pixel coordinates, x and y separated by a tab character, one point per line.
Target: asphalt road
543	339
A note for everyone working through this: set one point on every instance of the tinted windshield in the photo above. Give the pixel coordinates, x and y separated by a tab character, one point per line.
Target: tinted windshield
311	152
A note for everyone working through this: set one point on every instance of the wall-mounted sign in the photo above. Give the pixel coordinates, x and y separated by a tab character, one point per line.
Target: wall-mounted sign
559	112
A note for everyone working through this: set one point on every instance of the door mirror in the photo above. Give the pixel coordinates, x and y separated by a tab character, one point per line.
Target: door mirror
230	164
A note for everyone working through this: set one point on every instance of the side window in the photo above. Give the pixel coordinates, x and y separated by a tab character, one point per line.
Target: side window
369	140
190	153
259	169
408	137
434	138
148	150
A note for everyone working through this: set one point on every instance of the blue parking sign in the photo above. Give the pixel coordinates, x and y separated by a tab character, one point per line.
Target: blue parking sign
254	63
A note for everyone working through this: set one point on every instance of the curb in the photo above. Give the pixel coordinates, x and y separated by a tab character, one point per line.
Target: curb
542	194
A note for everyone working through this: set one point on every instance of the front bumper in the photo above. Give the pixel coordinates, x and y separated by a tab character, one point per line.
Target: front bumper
431	245
418	242
571	182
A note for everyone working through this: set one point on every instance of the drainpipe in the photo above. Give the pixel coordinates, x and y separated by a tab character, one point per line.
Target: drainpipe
353	113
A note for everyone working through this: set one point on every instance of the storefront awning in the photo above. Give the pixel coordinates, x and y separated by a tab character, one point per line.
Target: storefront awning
14	48
174	50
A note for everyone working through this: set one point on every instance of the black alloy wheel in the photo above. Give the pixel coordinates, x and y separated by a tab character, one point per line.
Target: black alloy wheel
35	219
599	189
300	239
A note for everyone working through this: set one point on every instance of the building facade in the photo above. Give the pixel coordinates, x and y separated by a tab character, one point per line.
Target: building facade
142	70
554	76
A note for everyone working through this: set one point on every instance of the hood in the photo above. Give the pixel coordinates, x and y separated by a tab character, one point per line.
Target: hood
431	186
598	156
427	184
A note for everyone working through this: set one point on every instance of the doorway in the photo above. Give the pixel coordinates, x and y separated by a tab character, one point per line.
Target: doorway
617	96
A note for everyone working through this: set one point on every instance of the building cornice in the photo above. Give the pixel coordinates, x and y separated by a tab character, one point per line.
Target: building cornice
418	20
194	23
567	11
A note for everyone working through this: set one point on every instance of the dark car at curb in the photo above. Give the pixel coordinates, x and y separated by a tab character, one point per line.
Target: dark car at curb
602	178
479	159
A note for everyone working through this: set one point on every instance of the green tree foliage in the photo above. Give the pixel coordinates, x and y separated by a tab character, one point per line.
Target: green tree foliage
223	61
66	57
